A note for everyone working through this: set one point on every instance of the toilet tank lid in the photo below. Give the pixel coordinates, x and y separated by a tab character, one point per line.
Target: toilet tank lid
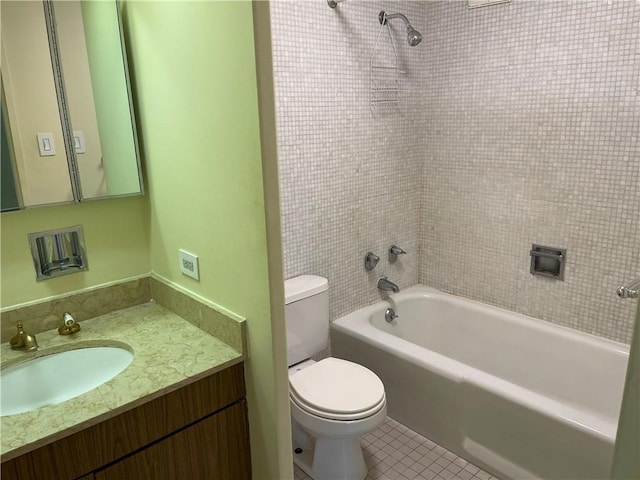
303	286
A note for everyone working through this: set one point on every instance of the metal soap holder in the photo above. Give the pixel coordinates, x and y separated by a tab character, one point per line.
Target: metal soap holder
548	261
58	252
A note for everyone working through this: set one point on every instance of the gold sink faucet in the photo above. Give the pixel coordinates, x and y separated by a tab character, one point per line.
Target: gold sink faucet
23	340
69	326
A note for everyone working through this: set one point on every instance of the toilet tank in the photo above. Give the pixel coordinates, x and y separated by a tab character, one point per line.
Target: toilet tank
306	316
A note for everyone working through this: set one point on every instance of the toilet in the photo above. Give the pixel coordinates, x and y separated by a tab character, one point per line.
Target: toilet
333	402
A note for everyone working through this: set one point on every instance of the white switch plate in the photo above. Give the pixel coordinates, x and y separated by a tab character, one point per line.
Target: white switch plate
78	141
189	264
46	145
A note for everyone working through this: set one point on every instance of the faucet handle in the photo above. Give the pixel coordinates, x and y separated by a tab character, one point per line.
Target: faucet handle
394	251
69	326
68	319
370	261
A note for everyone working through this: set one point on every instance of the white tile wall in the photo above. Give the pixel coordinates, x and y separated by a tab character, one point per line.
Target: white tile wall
533	126
349	183
519	124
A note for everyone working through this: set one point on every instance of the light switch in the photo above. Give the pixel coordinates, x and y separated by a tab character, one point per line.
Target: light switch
78	141
46	145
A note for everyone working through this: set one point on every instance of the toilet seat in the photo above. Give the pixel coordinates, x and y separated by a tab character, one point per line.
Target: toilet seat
335	415
338	390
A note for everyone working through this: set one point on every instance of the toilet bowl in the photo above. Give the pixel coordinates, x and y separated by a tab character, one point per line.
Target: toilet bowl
333	401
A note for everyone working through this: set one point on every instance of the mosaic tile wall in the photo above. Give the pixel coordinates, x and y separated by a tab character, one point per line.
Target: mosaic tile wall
533	136
349	182
516	124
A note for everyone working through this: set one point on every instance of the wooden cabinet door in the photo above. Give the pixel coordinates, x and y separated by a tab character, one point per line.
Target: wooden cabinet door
18	469
214	448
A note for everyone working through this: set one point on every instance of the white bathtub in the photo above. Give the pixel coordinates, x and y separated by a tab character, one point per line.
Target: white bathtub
517	396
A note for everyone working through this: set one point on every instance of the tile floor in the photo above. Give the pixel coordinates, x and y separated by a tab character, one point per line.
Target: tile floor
395	452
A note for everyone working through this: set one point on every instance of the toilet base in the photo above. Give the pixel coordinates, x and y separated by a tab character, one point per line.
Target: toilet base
328	458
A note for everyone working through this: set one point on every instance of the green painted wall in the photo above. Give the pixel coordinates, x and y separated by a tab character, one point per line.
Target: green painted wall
116	238
194	76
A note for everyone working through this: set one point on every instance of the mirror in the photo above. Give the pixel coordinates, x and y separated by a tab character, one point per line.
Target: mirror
68	133
30	106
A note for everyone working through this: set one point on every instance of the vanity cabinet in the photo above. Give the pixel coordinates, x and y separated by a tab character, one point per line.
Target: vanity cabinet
199	431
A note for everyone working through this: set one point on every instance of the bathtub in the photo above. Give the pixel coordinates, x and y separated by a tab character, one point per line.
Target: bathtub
519	397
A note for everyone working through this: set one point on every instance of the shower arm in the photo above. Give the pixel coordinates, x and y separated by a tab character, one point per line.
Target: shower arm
384	17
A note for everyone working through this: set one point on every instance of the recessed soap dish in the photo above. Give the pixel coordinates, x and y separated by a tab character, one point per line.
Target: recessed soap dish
548	261
58	252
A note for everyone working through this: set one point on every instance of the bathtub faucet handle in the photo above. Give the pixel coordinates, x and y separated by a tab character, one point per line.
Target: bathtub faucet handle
370	261
394	251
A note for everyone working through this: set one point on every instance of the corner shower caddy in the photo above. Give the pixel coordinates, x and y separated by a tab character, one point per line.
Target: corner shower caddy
384	75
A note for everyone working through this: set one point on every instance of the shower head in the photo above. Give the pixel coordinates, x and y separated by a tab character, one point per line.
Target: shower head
414	37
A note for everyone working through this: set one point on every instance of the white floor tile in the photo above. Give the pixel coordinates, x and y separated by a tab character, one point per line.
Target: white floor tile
395	452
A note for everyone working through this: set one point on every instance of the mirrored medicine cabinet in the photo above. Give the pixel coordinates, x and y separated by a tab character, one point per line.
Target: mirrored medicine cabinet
68	131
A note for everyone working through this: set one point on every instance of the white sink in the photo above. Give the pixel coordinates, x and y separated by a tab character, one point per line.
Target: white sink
58	377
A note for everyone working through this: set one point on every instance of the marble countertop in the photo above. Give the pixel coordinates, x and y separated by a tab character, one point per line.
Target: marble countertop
169	352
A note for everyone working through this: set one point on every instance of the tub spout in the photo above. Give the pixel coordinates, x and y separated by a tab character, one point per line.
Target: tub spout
387	285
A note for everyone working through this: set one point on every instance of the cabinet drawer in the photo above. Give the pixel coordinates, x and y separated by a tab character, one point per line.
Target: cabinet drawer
216	447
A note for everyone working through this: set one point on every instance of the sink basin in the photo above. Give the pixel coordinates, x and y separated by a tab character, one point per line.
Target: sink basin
58	377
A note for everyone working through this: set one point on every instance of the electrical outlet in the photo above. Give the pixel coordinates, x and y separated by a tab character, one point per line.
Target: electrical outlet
189	264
